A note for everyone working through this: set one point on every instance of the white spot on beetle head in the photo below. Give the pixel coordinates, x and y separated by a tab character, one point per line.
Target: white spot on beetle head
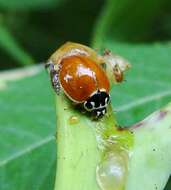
106	100
93	104
98	113
103	112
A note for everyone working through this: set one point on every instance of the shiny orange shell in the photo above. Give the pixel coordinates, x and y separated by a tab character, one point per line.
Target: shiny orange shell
80	77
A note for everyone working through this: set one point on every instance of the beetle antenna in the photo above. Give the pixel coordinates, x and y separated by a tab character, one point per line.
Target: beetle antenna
46	65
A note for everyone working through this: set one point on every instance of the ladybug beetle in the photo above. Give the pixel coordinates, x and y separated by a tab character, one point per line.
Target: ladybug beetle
83	82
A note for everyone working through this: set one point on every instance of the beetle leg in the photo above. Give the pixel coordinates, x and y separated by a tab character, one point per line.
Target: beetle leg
54	75
55	81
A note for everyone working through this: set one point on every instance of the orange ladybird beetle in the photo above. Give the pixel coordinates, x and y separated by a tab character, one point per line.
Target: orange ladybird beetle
78	71
83	82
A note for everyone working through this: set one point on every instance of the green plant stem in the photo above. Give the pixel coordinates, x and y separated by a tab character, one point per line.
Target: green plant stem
82	146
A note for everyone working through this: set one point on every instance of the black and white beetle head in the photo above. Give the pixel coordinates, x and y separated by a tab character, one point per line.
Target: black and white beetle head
97	103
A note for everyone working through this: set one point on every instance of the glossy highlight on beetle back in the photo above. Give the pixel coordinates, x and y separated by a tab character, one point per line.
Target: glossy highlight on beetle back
80	77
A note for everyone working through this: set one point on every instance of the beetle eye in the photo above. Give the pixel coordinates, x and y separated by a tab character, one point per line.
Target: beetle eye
89	105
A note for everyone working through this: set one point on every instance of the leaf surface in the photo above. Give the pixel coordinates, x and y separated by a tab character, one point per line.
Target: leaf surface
27	134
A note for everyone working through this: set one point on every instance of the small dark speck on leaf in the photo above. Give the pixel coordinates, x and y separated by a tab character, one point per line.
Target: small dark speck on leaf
155	186
154	149
161	114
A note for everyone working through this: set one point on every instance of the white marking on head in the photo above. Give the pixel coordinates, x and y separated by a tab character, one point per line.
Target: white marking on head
103	112
106	100
93	104
98	113
102	90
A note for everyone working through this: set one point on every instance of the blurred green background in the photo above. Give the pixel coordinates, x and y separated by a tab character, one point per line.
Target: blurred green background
31	30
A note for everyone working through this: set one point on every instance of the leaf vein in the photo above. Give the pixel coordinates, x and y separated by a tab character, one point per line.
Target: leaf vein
143	100
25	151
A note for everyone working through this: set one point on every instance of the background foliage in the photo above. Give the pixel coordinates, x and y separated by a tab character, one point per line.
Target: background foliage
31	30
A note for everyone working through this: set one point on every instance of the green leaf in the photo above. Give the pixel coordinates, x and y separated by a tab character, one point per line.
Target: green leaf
27	133
151	155
27	113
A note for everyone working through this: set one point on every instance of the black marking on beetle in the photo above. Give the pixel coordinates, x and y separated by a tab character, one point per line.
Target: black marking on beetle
88	105
100	100
97	103
97	113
